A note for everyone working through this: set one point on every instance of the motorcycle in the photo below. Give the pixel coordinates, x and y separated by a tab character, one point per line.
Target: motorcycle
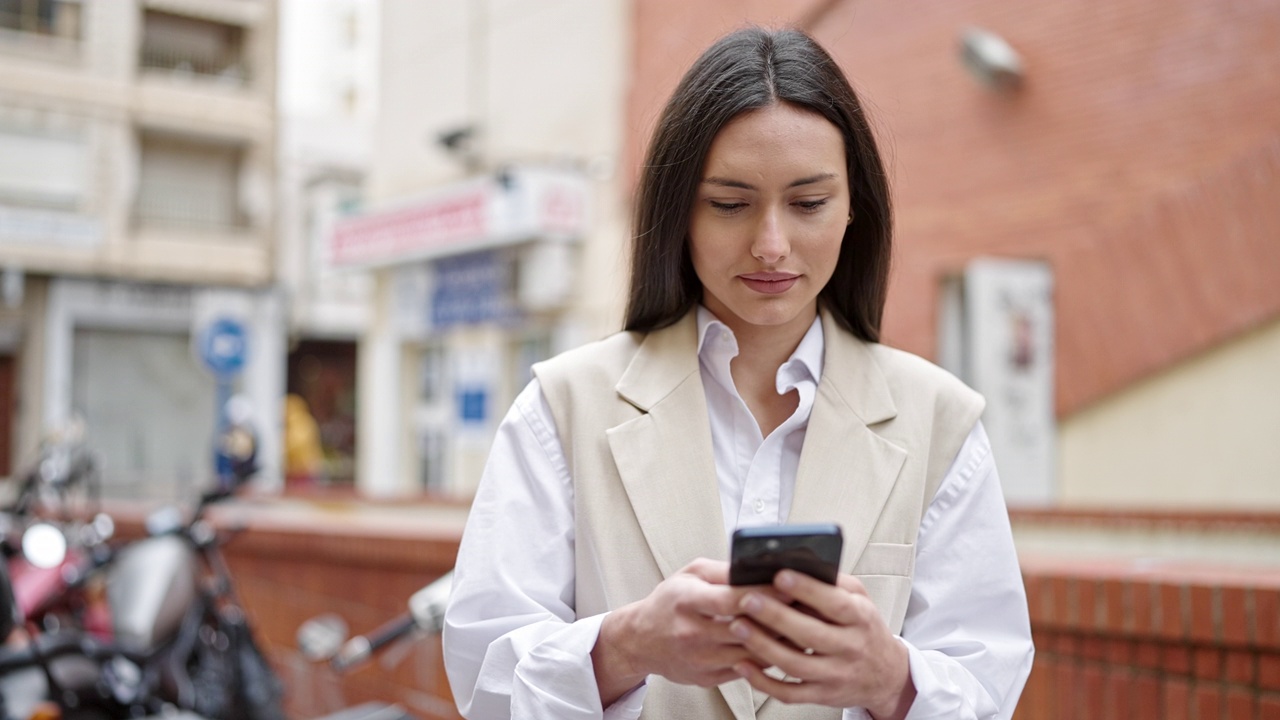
323	639
57	498
175	636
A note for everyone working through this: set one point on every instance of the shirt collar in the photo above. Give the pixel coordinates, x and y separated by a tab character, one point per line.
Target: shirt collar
808	354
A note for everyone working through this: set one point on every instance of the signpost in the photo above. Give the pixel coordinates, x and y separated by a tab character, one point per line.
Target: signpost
224	348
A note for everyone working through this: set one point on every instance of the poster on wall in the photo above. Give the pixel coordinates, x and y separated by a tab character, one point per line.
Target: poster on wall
996	333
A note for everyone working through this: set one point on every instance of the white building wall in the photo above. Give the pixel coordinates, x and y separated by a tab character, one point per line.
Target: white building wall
327	105
539	84
92	91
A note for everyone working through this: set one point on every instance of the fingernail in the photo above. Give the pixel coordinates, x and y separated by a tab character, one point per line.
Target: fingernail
786	579
741	669
750	603
740	630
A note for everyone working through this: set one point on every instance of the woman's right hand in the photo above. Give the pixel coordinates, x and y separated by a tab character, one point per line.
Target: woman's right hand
679	631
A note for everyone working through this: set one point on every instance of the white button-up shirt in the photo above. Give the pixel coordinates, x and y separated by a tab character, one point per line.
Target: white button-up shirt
750	468
514	647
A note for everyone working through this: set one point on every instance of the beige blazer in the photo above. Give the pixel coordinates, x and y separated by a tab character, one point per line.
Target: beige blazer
631	415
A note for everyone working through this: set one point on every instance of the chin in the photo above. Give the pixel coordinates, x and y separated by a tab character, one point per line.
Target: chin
776	314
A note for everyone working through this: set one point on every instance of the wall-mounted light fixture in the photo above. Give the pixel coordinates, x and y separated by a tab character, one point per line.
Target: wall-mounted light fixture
991	59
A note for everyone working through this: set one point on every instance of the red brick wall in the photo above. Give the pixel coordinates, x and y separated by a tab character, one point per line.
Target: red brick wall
286	576
1115	641
1141	158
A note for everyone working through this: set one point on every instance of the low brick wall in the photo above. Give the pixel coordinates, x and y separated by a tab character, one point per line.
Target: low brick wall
1153	638
1115	638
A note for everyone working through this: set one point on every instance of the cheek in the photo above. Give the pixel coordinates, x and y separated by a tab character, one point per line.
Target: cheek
706	249
824	252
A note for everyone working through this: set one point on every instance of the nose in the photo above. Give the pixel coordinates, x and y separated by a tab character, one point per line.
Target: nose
770	244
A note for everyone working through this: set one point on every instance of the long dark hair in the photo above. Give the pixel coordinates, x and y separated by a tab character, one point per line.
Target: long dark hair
747	70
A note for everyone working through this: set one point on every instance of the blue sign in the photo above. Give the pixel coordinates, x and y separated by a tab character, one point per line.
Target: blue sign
471	405
224	345
472	289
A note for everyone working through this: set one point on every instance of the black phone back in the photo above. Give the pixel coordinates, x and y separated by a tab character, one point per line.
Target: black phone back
758	553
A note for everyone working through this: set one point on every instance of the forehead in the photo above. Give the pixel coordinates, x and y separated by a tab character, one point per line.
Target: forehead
778	139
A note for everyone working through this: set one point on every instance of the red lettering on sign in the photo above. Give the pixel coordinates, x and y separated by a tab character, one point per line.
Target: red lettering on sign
387	236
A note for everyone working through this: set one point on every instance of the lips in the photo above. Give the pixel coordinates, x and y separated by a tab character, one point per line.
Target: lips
769	283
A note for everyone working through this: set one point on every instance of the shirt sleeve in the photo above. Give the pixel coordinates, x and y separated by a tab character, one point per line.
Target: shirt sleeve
512	645
967	629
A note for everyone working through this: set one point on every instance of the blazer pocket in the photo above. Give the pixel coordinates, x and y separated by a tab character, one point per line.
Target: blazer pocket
886	559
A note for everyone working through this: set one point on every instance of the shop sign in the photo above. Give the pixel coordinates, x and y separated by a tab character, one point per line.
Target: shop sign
503	209
471	289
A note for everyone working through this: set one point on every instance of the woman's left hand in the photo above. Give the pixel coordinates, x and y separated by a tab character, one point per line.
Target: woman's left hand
842	654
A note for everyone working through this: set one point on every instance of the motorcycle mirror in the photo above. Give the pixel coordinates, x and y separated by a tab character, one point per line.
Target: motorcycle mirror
321	637
428	604
103	526
163	521
44	546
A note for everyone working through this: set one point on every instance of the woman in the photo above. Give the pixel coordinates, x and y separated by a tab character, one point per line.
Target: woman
749	388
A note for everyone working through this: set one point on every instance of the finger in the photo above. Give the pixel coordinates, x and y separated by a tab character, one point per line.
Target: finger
723	602
801	628
788	692
770	651
715	572
717	631
716	662
833	602
851	583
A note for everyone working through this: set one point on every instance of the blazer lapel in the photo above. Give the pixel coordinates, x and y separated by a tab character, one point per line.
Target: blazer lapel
846	470
667	465
664	456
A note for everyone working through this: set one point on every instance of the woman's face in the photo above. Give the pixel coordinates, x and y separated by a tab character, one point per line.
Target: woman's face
769	217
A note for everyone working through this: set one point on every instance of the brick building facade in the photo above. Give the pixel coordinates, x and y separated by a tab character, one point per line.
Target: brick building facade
1138	157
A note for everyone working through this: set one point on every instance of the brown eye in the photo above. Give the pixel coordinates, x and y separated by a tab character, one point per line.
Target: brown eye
727	208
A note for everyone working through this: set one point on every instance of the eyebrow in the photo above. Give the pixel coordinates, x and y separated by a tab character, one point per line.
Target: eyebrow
727	182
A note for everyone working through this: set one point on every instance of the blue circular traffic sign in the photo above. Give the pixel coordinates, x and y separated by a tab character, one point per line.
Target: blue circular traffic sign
224	346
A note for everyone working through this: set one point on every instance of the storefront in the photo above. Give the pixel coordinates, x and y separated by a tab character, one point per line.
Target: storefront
473	284
126	358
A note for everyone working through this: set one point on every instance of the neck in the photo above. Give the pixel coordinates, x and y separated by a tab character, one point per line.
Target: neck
761	351
767	347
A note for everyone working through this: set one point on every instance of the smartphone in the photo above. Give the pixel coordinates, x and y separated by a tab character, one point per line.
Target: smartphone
758	553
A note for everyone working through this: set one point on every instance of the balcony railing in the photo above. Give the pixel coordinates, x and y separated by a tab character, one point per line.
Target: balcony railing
180	63
188	211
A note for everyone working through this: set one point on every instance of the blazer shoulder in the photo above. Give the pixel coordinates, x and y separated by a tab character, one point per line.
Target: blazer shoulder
910	375
603	360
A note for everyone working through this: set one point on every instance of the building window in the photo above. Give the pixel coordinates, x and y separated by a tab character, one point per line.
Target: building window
42	169
194	46
55	18
189	182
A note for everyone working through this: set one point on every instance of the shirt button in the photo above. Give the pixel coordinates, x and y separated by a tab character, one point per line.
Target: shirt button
759	506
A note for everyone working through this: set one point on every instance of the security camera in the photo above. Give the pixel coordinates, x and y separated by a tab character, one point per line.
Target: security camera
455	140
